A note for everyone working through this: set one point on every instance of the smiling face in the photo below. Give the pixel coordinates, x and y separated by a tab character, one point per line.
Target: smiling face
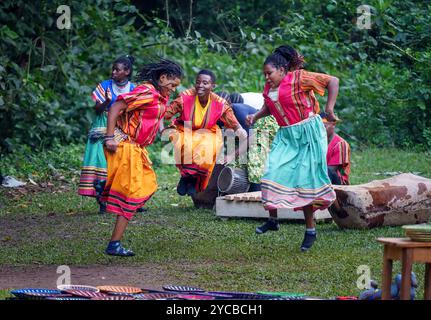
273	76
168	84
119	72
204	85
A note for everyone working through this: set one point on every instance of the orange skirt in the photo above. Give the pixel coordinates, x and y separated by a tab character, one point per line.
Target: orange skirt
131	180
196	153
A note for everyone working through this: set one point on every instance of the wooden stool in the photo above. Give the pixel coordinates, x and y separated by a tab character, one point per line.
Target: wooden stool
407	252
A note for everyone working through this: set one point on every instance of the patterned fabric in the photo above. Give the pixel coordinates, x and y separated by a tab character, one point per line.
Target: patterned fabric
93	170
339	156
205	144
265	130
296	99
131	180
108	88
219	109
296	174
145	110
196	157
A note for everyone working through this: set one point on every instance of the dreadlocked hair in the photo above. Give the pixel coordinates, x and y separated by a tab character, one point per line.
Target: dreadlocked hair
285	57
151	72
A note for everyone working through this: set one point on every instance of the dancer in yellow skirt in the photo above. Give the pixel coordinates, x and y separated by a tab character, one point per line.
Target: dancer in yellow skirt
197	138
133	122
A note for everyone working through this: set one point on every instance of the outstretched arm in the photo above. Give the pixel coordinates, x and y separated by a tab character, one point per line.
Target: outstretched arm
262	113
332	87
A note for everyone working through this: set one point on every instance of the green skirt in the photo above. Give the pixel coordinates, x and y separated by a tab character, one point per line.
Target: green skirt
94	169
296	172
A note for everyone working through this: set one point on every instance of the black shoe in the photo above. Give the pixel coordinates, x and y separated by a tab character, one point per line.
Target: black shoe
182	186
102	208
309	238
271	224
142	210
191	187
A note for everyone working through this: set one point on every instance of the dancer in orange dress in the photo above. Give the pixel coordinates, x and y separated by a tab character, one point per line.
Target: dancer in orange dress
133	121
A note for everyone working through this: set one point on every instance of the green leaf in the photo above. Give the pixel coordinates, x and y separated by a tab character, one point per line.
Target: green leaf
48	68
9	33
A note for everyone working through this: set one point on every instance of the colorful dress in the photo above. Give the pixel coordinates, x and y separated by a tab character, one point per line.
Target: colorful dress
131	180
296	171
196	148
339	156
93	170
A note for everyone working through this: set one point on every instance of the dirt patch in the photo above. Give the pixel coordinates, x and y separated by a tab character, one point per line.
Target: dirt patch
144	276
37	227
30	190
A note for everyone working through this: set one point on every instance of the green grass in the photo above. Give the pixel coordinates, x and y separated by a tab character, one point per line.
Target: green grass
63	228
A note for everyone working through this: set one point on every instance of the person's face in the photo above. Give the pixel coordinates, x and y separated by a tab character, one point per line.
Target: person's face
330	128
119	72
273	76
203	85
168	84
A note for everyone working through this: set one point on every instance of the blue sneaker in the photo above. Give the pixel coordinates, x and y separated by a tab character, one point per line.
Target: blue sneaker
116	249
309	238
271	224
182	186
102	208
191	187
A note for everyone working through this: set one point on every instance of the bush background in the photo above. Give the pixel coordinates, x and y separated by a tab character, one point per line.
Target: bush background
47	74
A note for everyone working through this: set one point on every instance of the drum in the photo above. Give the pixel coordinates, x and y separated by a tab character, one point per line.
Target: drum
233	180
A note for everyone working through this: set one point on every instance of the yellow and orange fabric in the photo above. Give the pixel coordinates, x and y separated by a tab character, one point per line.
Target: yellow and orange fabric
131	180
196	151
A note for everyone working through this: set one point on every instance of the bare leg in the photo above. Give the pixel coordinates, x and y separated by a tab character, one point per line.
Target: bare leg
114	247
309	217
119	229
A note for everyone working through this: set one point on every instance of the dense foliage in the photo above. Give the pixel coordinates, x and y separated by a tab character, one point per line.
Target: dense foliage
47	73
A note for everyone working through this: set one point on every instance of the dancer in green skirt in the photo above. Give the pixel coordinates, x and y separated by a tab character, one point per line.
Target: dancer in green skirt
296	172
93	170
